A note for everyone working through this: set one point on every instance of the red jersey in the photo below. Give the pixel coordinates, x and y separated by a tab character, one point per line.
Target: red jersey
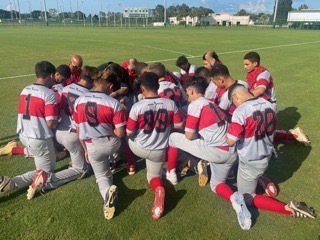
96	115
208	120
253	125
74	78
151	120
132	73
37	104
261	77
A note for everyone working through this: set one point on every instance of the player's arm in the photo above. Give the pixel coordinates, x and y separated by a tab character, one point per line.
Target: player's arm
191	135
121	92
230	142
52	123
258	91
83	144
120	131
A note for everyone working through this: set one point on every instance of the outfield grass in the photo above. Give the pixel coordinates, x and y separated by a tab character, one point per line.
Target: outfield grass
74	211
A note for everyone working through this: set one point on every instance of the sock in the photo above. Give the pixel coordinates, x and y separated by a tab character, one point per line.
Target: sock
283	135
18	151
224	190
270	204
155	182
127	151
172	154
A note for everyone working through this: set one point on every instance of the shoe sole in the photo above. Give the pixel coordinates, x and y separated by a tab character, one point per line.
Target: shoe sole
109	206
158	206
294	205
243	214
203	174
33	190
270	189
6	182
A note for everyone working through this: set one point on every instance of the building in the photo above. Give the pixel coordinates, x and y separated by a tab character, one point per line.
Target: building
306	18
223	19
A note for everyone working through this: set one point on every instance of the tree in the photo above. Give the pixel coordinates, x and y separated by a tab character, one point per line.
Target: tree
53	13
242	12
303	6
284	6
158	13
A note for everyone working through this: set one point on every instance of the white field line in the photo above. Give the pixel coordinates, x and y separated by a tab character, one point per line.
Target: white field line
190	56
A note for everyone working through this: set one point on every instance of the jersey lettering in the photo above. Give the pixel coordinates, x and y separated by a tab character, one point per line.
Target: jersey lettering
157	122
173	94
265	123
26	115
91	112
71	98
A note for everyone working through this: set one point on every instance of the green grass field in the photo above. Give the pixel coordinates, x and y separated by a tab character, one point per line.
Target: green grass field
74	211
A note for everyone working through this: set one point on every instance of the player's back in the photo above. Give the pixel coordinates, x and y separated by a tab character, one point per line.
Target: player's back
37	104
151	119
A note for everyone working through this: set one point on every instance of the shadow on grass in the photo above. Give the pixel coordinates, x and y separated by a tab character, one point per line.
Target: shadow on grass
21	191
5	140
172	197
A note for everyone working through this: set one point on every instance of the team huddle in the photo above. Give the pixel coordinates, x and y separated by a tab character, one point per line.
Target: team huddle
186	120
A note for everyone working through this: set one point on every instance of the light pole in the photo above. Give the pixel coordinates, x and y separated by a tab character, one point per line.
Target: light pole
45	13
83	16
30	10
120	15
165	13
114	17
275	14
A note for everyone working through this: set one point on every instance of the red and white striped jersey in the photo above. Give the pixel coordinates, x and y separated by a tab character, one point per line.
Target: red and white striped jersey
211	92
70	94
171	91
57	88
253	125
150	120
206	118
37	104
96	115
261	77
190	72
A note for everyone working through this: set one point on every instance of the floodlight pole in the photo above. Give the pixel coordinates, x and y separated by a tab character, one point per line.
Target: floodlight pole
275	14
83	15
19	11
45	13
120	15
165	13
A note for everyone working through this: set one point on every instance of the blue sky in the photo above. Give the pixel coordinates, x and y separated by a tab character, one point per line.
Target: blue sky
219	6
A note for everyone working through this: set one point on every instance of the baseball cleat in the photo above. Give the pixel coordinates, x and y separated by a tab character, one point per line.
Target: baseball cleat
131	169
300	210
158	205
268	186
203	173
172	176
110	201
7	150
300	136
39	180
243	214
5	183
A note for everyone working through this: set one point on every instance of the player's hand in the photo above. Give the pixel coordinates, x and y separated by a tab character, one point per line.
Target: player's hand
86	156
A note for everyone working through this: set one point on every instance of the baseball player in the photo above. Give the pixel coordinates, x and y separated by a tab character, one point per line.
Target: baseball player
168	89
75	66
100	122
205	137
220	76
210	59
37	116
261	85
252	130
66	133
12	148
148	129
186	69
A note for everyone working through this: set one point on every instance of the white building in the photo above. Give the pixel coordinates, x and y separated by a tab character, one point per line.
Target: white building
305	16
223	19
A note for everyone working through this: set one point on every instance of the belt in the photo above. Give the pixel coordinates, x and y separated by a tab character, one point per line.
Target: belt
224	148
90	140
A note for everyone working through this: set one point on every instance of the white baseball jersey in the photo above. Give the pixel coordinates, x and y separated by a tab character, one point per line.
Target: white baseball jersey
37	104
70	94
97	115
261	77
151	120
211	92
57	88
171	91
208	120
192	69
253	125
